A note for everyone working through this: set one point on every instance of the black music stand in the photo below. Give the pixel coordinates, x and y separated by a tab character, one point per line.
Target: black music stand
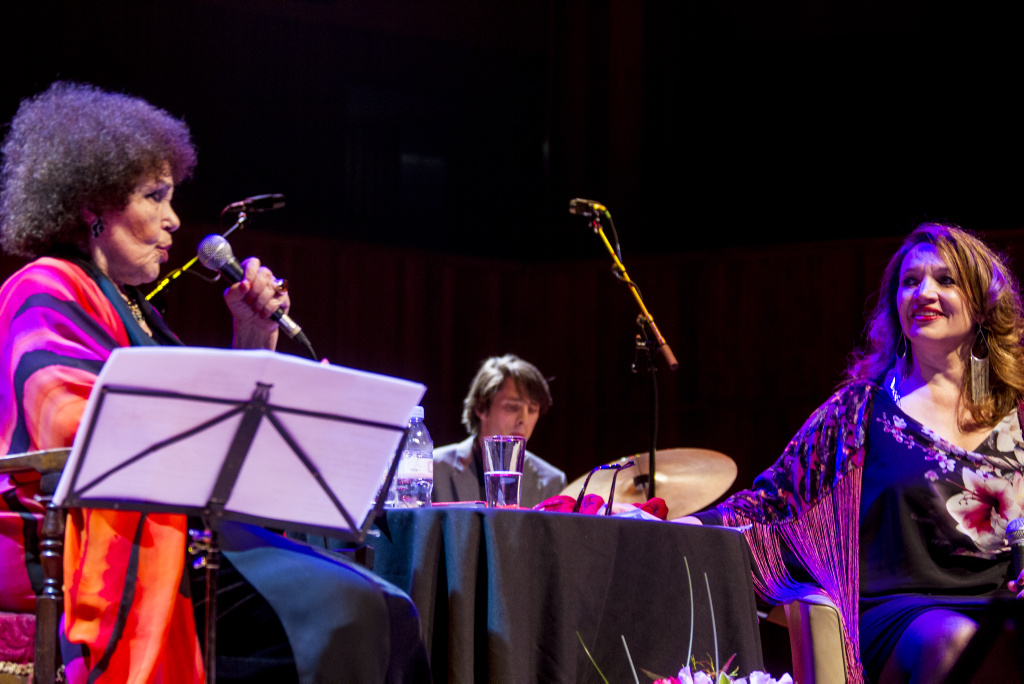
269	456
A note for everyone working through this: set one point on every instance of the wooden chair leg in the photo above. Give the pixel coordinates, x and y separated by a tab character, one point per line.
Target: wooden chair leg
50	603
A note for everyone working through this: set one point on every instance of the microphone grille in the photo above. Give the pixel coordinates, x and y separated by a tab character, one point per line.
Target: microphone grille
585	208
1015	530
581	207
214	252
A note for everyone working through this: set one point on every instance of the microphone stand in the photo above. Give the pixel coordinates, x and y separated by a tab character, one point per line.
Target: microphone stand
649	339
176	273
643	346
257	204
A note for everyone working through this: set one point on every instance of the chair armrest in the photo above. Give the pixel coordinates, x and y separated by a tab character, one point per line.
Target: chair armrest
47	461
817	640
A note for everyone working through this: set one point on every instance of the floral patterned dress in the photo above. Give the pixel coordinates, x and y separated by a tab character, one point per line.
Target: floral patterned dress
932	523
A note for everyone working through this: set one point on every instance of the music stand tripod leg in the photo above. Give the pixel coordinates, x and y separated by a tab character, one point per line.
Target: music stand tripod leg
206	546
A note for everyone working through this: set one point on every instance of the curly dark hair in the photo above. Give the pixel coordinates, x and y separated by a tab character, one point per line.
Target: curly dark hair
489	379
992	297
75	147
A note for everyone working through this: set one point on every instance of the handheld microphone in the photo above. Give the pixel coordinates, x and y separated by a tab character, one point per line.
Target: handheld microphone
215	254
586	208
256	204
1015	535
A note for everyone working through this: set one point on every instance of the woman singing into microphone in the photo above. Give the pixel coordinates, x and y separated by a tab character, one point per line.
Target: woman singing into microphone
86	184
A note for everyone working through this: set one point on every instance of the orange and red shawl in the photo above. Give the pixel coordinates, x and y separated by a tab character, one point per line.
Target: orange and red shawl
124	608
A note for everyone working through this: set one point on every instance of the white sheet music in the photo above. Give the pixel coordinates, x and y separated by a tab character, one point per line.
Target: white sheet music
352	458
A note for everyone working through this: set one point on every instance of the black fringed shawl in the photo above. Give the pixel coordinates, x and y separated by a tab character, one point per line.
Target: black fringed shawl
803	513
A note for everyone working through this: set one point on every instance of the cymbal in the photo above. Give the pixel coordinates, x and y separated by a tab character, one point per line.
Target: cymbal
687	479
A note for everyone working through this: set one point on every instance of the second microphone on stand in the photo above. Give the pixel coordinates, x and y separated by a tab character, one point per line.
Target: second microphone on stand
256	204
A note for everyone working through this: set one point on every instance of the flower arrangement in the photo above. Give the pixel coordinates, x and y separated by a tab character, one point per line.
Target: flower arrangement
694	672
687	676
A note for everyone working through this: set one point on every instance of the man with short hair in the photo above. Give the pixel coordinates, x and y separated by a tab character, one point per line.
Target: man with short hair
507	397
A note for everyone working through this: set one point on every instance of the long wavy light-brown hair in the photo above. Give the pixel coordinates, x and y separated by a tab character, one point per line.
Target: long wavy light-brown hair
992	297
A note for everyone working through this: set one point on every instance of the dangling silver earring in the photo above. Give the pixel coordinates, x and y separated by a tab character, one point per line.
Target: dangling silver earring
96	227
979	367
902	369
903	356
902	346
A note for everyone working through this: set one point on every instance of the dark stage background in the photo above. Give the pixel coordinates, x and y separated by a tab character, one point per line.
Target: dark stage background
758	158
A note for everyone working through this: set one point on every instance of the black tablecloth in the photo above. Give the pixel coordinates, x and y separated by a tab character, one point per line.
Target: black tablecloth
503	594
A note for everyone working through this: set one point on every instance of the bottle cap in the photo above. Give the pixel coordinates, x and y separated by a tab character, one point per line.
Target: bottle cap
417	412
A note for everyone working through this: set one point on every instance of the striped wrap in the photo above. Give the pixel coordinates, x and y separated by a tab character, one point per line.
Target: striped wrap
124	598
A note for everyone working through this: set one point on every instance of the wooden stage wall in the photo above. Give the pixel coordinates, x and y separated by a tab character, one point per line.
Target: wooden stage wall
761	334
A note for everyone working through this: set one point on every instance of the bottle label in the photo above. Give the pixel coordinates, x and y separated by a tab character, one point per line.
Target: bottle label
415	464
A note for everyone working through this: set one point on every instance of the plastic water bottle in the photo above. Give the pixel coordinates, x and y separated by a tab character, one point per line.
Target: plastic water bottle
414	479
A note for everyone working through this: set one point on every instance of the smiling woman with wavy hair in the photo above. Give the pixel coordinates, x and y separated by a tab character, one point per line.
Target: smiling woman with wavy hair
992	296
895	494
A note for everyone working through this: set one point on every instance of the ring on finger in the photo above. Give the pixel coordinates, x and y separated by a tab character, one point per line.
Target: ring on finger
280	285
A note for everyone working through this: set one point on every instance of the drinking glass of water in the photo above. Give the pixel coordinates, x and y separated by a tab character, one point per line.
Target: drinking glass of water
504	456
